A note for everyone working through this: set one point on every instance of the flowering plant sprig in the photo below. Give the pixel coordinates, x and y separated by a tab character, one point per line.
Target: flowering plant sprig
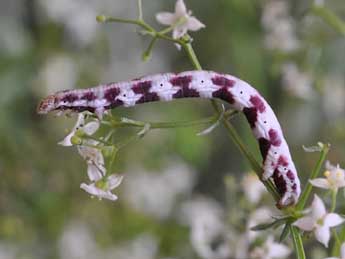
96	150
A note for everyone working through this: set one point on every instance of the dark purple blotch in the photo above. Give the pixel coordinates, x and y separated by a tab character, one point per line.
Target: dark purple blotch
257	103
143	88
224	94
89	96
274	138
223	81
251	115
264	145
183	82
111	93
69	98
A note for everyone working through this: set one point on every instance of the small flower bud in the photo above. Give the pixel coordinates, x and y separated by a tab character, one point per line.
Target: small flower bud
75	140
101	18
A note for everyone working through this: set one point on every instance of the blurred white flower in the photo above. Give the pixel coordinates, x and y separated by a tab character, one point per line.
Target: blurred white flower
259	216
50	78
279	27
342	253
14	40
296	82
253	187
333	95
335	178
209	235
143	246
77	242
89	129
270	250
103	187
77	16
94	159
319	221
156	193
181	20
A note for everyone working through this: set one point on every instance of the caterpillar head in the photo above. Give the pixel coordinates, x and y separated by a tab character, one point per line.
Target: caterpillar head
48	104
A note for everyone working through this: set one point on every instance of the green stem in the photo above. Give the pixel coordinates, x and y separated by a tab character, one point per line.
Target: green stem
334	199
330	18
339	240
307	190
147	52
140	10
168	125
297	242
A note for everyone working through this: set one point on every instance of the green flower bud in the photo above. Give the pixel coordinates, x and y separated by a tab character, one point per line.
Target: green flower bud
75	140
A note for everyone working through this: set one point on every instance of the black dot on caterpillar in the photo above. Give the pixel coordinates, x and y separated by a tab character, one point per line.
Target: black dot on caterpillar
161	84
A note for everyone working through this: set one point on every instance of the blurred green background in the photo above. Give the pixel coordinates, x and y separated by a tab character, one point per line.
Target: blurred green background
290	55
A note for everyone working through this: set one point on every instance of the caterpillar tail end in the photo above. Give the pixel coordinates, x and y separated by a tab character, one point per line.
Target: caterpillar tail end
288	199
48	104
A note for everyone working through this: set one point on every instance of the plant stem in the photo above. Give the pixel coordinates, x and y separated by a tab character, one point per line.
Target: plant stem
297	242
173	124
231	130
307	190
334	200
330	18
140	10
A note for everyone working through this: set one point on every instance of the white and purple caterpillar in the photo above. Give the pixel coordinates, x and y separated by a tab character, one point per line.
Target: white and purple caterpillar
277	161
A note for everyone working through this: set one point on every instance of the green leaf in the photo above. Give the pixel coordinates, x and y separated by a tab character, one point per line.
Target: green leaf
284	233
297	242
265	226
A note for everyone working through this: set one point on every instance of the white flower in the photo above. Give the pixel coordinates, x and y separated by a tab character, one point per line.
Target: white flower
259	216
270	250
297	82
335	178
94	159
319	221
253	188
342	253
181	20
103	187
209	236
88	129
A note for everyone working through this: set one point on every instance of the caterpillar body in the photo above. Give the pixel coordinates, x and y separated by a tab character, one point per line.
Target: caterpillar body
277	161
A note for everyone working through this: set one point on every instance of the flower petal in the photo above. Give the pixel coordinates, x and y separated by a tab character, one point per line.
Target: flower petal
322	234
180	8
193	24
306	223
166	18
91	127
342	251
179	31
332	220
66	142
329	166
94	172
90	188
321	183
114	181
276	250
318	208
94	191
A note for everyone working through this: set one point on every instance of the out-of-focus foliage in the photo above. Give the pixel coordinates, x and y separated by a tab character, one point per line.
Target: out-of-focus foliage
176	183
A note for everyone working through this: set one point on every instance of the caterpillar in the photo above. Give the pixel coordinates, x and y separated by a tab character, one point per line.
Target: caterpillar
277	161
